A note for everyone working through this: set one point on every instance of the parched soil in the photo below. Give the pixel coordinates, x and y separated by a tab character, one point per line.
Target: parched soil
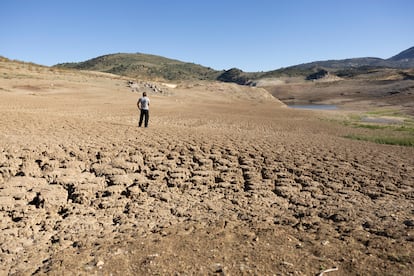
225	181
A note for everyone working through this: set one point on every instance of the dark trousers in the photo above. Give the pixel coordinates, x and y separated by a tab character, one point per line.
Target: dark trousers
144	116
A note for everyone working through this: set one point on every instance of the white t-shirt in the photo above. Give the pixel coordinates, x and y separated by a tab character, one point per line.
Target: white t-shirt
144	101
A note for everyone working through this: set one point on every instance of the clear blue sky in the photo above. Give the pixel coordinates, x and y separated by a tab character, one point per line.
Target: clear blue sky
253	35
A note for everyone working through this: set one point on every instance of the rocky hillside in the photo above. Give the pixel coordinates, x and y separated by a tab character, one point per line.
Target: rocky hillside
145	66
405	59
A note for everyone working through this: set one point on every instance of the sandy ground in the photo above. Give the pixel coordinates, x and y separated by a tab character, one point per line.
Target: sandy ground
225	181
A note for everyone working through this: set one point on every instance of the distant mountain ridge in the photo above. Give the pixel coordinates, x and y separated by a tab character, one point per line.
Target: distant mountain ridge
404	56
402	60
156	67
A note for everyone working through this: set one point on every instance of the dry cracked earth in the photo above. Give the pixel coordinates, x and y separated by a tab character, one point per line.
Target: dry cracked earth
225	181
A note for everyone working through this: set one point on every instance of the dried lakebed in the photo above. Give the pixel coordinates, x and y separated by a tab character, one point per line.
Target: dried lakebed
215	185
78	195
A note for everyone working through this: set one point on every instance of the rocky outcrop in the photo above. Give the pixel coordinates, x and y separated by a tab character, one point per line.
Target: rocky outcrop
149	87
234	75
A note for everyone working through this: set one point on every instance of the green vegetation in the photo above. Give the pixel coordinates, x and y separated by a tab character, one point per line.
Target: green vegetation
386	112
370	126
156	67
293	71
145	67
383	132
234	75
400	141
353	72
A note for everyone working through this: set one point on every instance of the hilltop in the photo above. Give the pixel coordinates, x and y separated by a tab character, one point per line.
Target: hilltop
145	66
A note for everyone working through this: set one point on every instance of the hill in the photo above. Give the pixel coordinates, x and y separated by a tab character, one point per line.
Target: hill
403	60
145	66
343	67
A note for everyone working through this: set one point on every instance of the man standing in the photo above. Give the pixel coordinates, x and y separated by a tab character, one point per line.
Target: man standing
143	105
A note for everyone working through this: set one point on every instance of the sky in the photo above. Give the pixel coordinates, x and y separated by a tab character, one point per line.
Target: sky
252	35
